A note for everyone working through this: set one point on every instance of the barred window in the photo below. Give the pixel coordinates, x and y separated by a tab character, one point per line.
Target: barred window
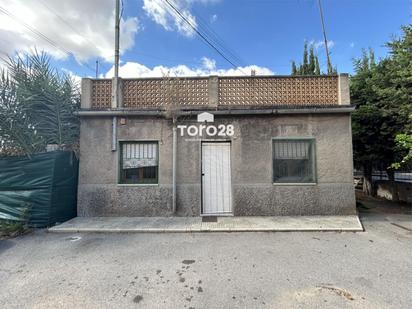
139	163
294	161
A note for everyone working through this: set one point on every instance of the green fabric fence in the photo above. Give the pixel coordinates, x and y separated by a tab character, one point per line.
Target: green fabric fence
40	190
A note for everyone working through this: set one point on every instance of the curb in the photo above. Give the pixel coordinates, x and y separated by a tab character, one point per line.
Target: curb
217	230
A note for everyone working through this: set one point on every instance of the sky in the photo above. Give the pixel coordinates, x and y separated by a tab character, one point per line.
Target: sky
260	35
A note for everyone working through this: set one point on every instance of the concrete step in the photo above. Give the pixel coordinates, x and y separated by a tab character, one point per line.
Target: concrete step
222	224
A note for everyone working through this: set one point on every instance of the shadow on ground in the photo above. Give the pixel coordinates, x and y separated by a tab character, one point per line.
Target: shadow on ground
370	205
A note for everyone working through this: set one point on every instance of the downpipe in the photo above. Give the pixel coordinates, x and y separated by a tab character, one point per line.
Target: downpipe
114	133
174	160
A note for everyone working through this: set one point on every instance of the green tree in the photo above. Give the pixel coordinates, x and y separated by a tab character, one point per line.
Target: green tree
37	105
317	67
400	91
361	87
310	63
304	70
382	121
17	133
404	143
294	68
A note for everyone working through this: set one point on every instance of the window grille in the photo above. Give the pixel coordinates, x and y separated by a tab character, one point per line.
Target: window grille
293	161
139	163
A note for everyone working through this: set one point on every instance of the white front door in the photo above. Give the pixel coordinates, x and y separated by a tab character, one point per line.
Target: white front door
216	179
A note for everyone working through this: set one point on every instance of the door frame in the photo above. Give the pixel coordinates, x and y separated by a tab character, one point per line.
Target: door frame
231	214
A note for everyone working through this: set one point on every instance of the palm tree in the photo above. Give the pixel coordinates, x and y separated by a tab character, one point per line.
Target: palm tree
37	105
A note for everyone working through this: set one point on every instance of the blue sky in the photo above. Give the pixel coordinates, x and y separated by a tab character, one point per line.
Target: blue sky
265	33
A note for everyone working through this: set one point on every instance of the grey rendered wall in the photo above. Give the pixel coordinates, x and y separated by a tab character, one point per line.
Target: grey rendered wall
99	193
253	191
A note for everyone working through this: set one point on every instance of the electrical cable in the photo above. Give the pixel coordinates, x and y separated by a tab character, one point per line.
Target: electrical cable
205	39
41	35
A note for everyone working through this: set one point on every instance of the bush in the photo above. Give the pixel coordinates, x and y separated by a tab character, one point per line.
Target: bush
10	228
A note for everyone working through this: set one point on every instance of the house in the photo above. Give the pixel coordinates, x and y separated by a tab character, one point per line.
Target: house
242	146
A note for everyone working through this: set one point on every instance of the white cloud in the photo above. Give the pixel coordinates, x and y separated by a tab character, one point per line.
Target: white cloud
321	43
208	67
163	14
89	34
213	18
352	44
76	78
209	64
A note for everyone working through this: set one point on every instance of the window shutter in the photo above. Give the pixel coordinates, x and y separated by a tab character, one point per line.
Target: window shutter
291	150
136	155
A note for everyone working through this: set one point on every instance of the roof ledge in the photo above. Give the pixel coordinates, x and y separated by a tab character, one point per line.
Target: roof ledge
237	111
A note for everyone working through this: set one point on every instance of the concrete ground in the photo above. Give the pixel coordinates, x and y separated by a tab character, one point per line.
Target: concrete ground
371	269
219	224
367	204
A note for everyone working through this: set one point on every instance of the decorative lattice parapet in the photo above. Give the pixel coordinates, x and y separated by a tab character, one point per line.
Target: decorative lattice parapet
165	92
101	94
264	91
215	92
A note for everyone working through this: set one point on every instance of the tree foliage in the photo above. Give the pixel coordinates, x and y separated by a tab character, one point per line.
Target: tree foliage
404	143
401	91
17	134
37	105
382	92
310	63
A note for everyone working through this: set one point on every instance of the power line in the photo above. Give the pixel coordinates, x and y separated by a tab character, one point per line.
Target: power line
41	35
35	31
217	39
92	44
201	35
121	11
65	22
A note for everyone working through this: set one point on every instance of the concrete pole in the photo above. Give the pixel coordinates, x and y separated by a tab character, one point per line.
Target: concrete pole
115	87
330	69
117	40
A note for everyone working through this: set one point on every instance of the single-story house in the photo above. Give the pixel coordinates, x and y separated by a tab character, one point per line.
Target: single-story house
216	146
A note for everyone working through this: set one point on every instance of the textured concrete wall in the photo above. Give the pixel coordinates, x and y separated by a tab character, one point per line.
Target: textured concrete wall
343	89
251	151
394	191
86	98
99	194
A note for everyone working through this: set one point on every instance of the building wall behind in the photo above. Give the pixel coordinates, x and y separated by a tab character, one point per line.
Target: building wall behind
251	152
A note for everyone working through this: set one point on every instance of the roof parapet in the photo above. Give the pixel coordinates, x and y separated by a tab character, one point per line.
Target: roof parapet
216	92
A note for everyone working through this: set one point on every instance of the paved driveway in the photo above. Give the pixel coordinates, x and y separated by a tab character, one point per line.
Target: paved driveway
220	270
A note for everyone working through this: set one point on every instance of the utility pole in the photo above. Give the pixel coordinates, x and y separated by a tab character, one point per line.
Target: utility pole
116	41
324	37
97	68
115	80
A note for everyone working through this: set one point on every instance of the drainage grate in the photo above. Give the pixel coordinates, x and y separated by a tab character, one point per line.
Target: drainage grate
209	219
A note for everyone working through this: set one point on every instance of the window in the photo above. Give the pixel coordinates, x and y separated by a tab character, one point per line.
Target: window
294	161
139	163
